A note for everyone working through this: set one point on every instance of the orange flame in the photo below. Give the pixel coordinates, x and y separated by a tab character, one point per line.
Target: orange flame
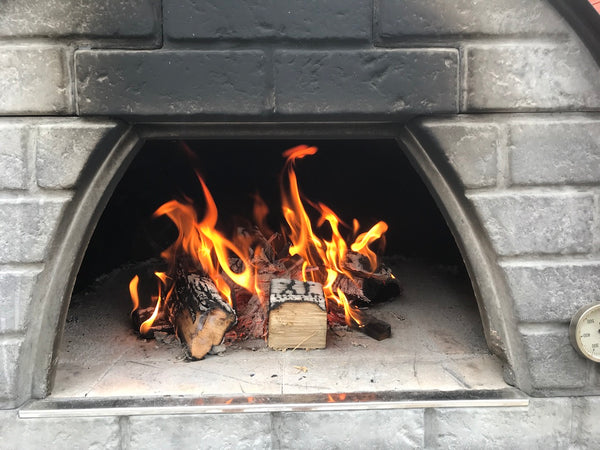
207	249
133	292
146	326
328	256
363	240
205	245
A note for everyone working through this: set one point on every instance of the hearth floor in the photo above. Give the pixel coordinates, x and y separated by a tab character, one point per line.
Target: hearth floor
437	344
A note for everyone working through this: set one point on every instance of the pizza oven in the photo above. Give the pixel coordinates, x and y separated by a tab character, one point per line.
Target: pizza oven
470	129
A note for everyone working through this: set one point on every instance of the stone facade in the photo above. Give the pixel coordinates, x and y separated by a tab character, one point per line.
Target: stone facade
554	423
504	102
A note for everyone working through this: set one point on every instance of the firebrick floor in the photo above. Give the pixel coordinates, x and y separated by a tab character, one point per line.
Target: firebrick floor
437	344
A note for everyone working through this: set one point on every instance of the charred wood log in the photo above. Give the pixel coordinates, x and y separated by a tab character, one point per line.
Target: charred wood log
372	327
199	315
368	287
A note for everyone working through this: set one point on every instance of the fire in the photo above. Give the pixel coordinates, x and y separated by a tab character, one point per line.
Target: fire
133	292
201	247
327	255
207	247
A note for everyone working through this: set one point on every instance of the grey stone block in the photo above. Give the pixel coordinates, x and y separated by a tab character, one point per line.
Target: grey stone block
206	431
556	151
73	18
528	77
549	292
63	148
169	83
553	362
543	223
34	80
59	433
465	17
586	430
399	428
378	82
469	147
257	19
27	226
16	288
9	358
545	423
13	156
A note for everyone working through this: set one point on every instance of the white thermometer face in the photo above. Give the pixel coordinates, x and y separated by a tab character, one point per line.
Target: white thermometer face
585	332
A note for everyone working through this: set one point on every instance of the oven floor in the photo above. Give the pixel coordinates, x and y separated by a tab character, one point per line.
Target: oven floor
437	343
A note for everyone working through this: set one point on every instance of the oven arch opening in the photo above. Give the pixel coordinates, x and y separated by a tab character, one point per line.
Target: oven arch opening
440	183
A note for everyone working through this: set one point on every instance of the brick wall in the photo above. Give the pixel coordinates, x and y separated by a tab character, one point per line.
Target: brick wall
502	96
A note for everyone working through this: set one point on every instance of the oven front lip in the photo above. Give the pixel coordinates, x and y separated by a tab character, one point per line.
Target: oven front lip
358	401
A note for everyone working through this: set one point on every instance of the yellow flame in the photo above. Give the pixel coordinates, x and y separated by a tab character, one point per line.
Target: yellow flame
133	293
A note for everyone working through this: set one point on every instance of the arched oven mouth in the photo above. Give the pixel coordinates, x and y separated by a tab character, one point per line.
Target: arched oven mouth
437	342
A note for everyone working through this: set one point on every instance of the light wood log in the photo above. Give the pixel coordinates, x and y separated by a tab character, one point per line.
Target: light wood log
297	315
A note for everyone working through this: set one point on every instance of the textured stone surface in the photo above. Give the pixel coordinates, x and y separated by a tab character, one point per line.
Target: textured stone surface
74	18
434	18
555	151
545	423
296	19
206	431
26	227
377	82
9	356
59	433
16	287
400	428
63	148
552	291
586	422
531	77
520	224
469	147
13	156
171	82
553	363
34	80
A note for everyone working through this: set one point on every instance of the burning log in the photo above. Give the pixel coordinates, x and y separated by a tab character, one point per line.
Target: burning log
368	287
297	315
142	315
199	315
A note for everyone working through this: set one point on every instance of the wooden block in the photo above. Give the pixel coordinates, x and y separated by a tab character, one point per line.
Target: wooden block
297	315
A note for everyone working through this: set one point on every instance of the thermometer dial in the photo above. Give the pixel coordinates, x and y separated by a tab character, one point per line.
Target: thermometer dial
584	331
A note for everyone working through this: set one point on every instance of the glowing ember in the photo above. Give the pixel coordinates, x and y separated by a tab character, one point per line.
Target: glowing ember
200	247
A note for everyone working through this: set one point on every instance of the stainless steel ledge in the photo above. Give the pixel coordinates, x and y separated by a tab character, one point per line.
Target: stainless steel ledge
96	407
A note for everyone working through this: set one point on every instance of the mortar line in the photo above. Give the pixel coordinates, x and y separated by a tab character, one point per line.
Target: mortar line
11	337
374	13
33	132
596	224
542	328
74	83
557	191
463	81
549	260
503	154
124	433
21	266
35	194
70	75
270	98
